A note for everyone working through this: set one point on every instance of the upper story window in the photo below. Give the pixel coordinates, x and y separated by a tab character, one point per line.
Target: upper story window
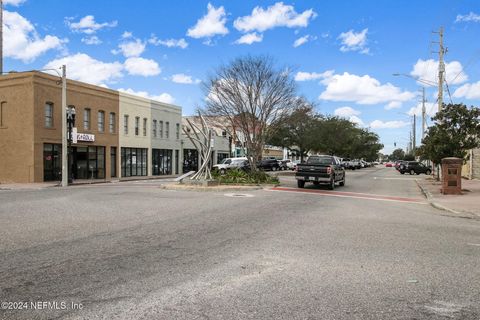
112	122
3	111
177	131
137	125
101	121
160	130
167	129
86	118
154	128
125	124
145	127
48	115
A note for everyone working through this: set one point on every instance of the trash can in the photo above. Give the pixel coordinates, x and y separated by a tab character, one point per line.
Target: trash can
452	175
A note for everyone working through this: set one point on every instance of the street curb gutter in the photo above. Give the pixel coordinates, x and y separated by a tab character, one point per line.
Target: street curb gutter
435	205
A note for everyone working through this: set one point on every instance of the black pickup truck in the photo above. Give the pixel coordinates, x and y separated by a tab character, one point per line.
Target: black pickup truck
321	170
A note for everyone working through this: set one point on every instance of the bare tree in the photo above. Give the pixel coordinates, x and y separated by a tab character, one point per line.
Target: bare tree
251	94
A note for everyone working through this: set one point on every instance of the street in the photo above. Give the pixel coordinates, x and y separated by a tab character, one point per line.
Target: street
373	249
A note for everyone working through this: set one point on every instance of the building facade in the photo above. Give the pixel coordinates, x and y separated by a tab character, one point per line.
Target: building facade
119	136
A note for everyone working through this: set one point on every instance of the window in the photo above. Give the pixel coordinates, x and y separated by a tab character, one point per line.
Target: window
125	124
177	131
49	115
154	128
86	119
167	129
145	127
101	121
161	129
3	107
113	162
161	162
112	122
137	125
134	162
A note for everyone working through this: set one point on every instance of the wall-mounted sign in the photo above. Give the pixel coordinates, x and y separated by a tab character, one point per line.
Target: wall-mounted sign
85	137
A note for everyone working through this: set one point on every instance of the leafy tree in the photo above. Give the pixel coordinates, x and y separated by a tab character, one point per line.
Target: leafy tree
397	154
296	131
456	131
250	93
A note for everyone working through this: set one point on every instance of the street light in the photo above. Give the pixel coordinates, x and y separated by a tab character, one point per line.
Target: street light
71	123
427	82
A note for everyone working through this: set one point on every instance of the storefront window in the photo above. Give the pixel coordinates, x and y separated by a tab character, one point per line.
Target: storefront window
113	162
190	160
161	162
134	162
52	162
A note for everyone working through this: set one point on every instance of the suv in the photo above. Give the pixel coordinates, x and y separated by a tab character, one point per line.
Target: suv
268	164
414	167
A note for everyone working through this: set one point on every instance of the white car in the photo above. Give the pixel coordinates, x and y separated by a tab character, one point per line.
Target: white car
229	163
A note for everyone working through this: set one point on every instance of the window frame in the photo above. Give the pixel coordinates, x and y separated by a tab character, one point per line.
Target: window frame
50	106
145	122
87	120
137	126
101	124
125	124
112	119
154	128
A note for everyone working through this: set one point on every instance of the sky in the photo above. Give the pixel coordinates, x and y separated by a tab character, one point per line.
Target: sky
343	54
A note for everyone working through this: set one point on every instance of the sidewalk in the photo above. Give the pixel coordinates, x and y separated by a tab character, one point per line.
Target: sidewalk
28	186
466	205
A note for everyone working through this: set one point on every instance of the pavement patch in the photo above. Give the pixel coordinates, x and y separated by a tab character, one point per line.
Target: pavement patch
239	195
354	195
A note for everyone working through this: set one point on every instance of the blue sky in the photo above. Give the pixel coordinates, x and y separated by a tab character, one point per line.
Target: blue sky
343	53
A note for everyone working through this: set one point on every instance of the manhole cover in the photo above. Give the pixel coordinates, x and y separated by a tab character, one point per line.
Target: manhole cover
238	195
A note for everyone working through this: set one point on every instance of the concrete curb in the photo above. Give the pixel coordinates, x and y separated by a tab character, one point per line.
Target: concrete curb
221	188
430	199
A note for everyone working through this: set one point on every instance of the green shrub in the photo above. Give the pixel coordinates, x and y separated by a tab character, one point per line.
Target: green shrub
235	176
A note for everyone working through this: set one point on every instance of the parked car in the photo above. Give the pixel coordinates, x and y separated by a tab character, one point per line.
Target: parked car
356	164
295	163
268	164
229	163
415	167
321	169
388	164
400	165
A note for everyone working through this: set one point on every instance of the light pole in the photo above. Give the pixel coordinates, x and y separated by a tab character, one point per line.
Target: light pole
71	123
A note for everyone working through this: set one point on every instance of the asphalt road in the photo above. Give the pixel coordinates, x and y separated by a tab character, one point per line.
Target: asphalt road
370	250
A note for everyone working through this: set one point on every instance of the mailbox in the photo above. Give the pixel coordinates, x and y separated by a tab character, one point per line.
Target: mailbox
452	176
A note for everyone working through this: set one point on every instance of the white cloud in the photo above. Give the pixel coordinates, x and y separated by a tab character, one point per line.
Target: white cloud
126	35
142	67
15	3
356	120
184	79
354	41
361	90
346	112
213	23
349	114
277	15
378	124
468	17
170	43
132	48
88	25
430	109
250	38
84	68
468	91
308	76
428	70
393	105
93	40
164	97
21	40
302	40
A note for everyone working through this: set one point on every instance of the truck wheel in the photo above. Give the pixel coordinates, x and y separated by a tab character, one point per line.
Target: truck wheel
402	172
428	172
301	183
331	186
412	172
223	171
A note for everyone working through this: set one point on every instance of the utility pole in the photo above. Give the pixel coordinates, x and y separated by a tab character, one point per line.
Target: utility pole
424	114
414	140
441	69
64	128
1	37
